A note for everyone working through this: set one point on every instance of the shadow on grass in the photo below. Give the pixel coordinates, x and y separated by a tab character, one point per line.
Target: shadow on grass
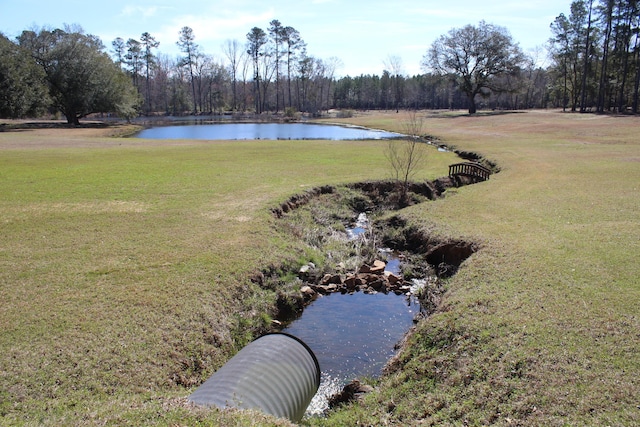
22	126
448	114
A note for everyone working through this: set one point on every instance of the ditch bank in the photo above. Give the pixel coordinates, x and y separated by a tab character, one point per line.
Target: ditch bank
324	218
362	265
353	243
381	195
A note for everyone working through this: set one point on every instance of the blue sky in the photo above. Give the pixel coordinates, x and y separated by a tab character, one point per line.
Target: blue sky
362	34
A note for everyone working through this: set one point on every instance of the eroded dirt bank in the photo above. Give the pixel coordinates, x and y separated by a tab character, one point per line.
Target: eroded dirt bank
323	215
324	218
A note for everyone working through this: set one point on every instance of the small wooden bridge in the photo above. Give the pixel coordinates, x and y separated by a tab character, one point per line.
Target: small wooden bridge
470	169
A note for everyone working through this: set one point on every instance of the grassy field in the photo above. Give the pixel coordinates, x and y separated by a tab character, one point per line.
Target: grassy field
540	327
125	265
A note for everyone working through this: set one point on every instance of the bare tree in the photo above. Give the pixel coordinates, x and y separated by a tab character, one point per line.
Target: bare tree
162	79
233	51
393	64
330	67
245	65
407	156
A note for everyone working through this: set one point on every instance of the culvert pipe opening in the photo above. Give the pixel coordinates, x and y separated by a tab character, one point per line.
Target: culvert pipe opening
277	374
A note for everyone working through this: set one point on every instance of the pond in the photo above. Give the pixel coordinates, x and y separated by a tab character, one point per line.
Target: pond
353	336
269	131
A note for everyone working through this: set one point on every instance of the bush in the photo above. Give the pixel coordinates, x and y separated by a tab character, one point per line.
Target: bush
291	113
345	114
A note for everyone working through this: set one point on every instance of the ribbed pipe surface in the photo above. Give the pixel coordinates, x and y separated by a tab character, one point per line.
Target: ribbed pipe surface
277	374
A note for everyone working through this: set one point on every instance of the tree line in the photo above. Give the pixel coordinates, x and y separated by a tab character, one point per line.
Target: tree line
596	56
593	62
271	71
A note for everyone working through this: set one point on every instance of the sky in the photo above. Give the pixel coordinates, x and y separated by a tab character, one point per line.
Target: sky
364	35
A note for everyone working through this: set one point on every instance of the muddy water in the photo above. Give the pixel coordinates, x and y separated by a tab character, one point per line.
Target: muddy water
353	336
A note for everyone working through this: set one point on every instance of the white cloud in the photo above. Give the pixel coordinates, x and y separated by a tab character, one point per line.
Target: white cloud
212	27
130	11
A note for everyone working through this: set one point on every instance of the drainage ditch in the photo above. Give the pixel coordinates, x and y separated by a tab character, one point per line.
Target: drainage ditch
378	275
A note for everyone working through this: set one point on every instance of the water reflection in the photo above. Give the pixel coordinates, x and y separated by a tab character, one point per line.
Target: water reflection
269	131
360	227
353	336
393	264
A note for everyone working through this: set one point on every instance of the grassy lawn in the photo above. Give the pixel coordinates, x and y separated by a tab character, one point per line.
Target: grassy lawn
542	325
125	265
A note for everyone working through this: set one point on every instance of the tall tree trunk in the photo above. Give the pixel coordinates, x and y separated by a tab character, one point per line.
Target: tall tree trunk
256	90
289	77
565	96
625	66
605	57
472	103
637	84
193	91
583	89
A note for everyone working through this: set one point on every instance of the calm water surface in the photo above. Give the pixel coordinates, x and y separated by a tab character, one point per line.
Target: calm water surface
353	336
270	131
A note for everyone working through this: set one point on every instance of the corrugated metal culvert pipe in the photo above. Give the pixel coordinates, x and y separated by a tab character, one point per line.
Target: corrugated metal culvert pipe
277	374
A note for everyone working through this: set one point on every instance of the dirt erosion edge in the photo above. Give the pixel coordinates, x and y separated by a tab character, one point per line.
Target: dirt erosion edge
442	257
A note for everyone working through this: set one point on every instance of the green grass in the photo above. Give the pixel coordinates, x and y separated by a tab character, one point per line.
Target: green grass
541	326
125	265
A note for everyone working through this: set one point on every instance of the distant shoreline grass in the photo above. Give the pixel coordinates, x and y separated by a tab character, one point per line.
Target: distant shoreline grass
125	266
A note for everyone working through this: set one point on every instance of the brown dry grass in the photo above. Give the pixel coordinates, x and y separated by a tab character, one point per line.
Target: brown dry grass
125	263
541	326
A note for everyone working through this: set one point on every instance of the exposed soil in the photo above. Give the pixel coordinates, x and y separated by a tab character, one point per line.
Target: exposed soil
423	255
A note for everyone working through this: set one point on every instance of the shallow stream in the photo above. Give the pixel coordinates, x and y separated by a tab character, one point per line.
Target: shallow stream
353	336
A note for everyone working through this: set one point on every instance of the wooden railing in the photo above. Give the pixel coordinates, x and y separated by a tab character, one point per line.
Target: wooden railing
469	169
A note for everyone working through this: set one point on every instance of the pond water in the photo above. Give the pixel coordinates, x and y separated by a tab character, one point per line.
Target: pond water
353	336
269	131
